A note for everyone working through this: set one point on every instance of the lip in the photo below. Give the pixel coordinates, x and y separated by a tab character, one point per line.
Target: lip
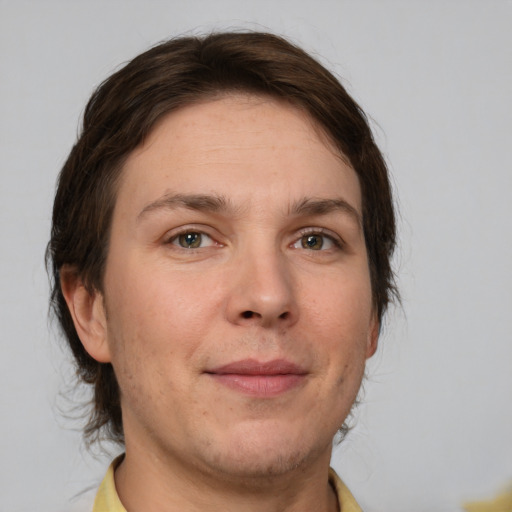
257	378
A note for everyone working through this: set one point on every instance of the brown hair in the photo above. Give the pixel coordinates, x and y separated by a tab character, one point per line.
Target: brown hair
124	110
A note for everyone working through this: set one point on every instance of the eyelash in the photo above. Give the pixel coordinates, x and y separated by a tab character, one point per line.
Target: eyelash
188	231
319	232
325	234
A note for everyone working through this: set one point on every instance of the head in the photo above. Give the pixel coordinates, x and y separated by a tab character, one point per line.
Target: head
122	115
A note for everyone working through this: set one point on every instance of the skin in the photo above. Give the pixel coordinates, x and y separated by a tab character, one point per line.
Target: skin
277	270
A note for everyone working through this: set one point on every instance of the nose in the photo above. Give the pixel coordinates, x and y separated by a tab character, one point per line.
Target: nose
262	291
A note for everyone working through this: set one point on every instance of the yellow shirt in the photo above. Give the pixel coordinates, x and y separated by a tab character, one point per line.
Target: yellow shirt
502	503
107	499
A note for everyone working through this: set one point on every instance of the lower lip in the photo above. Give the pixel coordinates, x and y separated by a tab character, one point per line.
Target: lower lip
260	385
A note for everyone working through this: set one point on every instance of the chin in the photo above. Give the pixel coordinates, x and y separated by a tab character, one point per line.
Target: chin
258	468
266	456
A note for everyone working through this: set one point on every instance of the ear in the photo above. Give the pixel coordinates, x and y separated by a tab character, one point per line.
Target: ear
373	336
88	313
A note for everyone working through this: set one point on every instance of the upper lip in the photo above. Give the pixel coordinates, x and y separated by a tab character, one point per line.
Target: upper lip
255	367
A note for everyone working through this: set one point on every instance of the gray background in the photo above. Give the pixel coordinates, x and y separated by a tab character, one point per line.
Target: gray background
435	426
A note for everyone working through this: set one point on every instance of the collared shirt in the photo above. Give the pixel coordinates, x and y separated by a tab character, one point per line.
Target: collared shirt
107	499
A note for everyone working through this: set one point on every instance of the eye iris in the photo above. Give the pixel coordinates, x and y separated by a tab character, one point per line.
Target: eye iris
190	240
314	242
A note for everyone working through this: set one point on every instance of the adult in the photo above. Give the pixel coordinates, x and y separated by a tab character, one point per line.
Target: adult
221	243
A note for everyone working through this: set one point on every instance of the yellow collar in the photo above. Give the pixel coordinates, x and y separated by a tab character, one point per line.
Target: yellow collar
107	499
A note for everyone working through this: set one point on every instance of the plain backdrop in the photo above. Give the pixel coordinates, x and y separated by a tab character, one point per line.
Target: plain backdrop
435	426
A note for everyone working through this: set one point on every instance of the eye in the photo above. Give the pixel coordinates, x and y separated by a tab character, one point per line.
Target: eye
315	241
191	240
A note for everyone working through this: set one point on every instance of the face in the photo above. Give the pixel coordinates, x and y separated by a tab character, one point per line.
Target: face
237	291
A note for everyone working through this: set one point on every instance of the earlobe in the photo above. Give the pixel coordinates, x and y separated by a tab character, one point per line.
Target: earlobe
88	313
373	337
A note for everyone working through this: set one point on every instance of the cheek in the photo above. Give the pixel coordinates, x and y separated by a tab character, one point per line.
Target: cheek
158	313
341	306
340	316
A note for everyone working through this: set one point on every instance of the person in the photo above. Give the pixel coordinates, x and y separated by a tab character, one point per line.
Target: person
220	254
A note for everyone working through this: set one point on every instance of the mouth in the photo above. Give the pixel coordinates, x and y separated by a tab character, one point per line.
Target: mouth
259	379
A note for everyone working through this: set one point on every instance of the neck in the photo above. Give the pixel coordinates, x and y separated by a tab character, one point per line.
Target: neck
148	483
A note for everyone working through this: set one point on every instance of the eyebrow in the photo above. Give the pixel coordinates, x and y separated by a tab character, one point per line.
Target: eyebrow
308	206
199	202
216	204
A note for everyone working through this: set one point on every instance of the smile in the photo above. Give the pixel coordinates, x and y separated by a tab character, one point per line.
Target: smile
259	379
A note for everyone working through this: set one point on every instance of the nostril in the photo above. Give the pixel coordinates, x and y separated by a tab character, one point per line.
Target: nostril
248	314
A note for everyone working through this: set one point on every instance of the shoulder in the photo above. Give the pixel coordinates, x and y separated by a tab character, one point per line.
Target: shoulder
346	501
106	499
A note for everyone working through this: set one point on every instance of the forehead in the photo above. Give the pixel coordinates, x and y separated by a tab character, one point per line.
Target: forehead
237	144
